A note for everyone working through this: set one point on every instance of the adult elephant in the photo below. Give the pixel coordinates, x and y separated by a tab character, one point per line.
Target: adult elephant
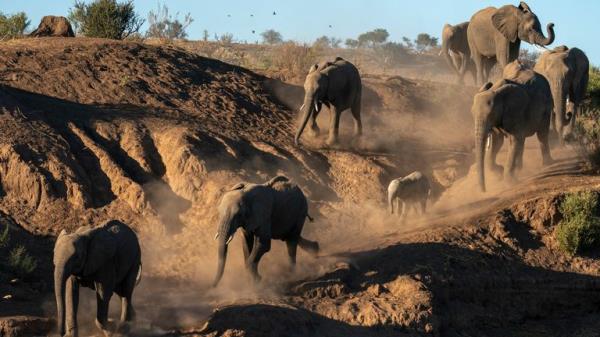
337	85
455	48
496	33
517	106
276	209
567	71
106	259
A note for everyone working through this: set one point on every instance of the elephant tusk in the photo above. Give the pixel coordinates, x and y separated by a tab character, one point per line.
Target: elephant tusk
301	107
488	143
216	236
229	240
316	106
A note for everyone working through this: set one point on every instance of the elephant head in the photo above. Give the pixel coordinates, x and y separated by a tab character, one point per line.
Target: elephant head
315	89
491	106
232	214
81	254
521	23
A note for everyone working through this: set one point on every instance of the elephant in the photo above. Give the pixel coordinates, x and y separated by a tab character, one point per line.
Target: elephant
496	33
567	71
106	258
275	209
413	188
517	106
337	85
455	48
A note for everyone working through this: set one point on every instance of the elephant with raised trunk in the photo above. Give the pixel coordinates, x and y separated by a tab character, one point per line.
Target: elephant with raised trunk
496	33
567	71
517	106
410	190
336	85
276	209
106	259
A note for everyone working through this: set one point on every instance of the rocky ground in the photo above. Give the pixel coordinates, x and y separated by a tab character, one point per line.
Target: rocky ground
92	130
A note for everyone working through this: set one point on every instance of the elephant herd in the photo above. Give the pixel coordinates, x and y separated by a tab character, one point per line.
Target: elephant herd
522	103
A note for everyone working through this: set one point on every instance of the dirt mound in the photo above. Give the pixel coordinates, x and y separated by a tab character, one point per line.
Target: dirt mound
53	26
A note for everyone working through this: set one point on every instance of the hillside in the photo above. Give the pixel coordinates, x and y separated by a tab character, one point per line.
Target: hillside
95	129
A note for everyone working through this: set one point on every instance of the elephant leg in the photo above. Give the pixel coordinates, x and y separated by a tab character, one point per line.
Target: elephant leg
516	147
292	246
72	303
247	244
404	210
314	128
334	124
127	311
497	140
478	60
399	207
103	295
423	206
261	246
542	136
356	114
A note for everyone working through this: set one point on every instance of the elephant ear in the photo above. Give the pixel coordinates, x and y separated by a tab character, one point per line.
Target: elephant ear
276	179
101	247
313	68
506	21
524	7
237	186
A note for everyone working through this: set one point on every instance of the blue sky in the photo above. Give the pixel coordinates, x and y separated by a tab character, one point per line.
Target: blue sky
575	21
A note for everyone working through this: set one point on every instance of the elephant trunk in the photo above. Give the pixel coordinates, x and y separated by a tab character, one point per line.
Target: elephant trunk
224	236
446	50
60	280
544	41
480	138
306	110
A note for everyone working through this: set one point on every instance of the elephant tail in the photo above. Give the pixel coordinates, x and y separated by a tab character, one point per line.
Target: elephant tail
309	217
138	278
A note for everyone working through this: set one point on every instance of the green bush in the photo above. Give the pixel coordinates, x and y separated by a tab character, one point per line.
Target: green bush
21	262
12	26
105	18
593	89
580	228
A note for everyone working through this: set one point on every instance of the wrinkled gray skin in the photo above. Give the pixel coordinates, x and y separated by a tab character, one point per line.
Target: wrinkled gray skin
336	85
412	189
107	259
455	48
567	71
273	210
517	106
496	33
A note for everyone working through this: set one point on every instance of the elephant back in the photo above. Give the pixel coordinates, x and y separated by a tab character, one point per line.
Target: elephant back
289	209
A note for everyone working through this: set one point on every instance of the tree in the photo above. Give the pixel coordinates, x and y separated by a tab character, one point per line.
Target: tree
373	38
163	25
529	58
408	43
205	35
271	36
12	26
226	38
105	18
335	42
424	41
322	42
351	43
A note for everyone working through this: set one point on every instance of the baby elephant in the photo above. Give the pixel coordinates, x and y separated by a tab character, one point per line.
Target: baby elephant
106	259
414	188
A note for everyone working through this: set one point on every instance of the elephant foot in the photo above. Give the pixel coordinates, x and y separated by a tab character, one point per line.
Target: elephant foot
332	142
103	328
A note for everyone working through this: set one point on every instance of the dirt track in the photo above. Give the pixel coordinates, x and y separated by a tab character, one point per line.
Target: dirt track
96	129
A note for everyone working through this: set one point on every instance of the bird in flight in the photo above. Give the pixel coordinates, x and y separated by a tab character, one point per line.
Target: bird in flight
274	13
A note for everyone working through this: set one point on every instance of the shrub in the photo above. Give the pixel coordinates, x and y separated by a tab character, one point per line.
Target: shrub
271	36
164	26
593	89
226	38
12	26
373	38
293	59
105	18
392	53
21	262
351	43
4	238
580	228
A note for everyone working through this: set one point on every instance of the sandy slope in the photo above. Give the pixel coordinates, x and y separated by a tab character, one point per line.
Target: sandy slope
95	129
